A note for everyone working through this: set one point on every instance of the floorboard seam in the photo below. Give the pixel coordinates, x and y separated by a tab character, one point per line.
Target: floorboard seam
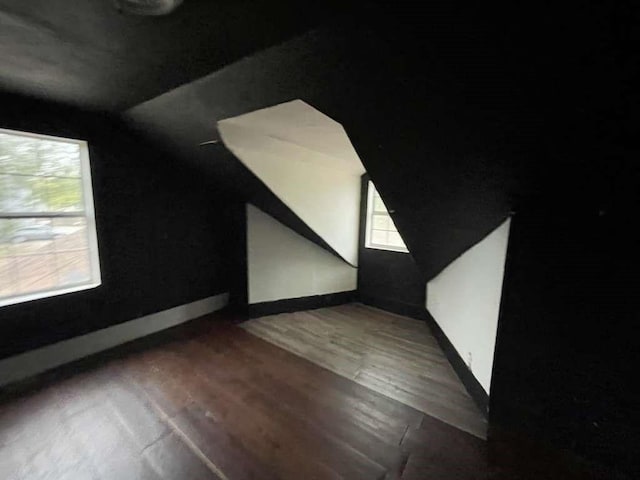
187	441
403	466
404	435
153	442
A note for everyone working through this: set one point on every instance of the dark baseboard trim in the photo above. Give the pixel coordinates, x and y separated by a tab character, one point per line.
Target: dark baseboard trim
414	311
468	380
288	305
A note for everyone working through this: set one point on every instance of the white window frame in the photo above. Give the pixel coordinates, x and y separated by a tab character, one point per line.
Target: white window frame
369	224
88	214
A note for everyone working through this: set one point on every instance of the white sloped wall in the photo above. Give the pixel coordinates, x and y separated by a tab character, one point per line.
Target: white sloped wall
282	264
307	160
464	299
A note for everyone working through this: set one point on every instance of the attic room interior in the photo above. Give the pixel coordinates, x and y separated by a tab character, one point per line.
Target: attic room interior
273	239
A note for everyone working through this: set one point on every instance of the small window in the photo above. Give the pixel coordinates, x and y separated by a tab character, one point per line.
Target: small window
381	232
48	240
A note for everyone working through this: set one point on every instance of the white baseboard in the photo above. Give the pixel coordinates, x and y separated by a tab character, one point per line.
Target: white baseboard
42	359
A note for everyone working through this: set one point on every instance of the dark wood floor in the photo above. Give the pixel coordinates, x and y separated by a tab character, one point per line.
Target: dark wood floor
212	401
393	355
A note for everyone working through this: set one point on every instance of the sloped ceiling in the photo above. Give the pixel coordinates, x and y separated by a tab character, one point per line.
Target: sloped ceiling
410	132
447	118
183	118
458	114
307	160
88	54
298	124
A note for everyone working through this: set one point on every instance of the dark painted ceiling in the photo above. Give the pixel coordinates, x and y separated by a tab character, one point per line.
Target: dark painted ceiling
88	54
413	132
458	122
460	116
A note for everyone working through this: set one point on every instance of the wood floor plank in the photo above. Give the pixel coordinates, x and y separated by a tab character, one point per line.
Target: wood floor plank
324	384
220	446
391	354
315	411
172	458
304	435
464	419
231	400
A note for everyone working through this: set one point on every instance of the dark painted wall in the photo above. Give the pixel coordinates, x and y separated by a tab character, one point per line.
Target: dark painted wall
566	345
567	352
219	167
389	280
163	237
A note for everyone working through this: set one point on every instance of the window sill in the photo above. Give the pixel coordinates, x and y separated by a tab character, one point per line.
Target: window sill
5	302
387	249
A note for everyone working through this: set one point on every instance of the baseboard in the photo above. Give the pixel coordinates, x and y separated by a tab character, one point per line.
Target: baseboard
413	311
301	303
478	394
37	361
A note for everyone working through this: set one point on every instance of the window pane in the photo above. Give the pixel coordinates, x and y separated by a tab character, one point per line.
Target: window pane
73	267
380	222
64	194
73	259
22	193
18	154
32	234
395	240
379	237
34	156
8	276
58	159
42	254
42	176
35	272
27	256
378	204
382	232
70	233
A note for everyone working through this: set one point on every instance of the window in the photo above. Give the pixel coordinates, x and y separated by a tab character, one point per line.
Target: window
47	228
381	232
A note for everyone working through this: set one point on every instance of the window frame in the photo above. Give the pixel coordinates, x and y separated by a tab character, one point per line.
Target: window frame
371	189
88	213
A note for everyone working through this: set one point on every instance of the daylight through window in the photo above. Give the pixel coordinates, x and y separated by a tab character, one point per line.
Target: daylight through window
381	232
47	228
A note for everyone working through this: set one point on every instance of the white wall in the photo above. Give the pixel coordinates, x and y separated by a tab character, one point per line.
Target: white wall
464	299
306	160
282	264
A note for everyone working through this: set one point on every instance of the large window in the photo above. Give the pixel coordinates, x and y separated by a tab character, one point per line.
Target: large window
47	228
381	232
